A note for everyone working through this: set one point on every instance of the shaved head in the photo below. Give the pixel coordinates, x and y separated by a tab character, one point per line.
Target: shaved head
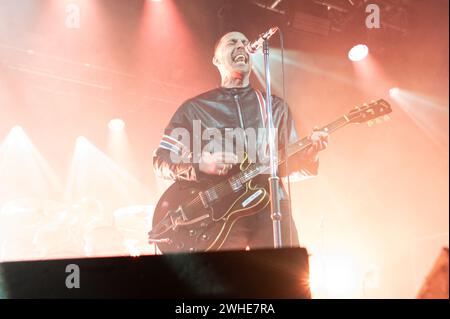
230	56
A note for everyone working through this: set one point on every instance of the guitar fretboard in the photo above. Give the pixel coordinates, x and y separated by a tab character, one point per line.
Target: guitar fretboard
306	141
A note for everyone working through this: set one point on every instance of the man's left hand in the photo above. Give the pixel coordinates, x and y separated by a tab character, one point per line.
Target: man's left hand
319	143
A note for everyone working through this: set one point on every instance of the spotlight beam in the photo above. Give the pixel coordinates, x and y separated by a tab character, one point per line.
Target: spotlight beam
94	174
20	161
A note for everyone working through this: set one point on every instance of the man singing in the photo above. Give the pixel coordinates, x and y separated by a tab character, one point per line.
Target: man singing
235	104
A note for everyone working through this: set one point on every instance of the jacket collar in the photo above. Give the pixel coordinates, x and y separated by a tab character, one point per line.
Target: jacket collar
236	90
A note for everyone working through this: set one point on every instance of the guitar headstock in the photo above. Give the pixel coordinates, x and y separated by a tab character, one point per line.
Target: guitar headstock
369	112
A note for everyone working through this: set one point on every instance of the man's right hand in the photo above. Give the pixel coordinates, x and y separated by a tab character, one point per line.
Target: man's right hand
217	163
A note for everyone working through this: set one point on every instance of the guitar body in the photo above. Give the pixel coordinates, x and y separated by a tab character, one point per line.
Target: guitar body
207	228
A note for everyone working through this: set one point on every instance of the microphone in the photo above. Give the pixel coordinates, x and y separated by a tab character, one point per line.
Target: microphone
253	46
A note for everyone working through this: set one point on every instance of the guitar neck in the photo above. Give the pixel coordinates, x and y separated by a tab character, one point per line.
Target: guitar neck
306	141
255	169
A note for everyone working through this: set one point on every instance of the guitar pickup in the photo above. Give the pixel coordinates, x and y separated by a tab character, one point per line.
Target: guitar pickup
235	184
204	198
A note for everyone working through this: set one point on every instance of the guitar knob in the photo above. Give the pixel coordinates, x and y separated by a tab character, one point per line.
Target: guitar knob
192	232
205	237
192	249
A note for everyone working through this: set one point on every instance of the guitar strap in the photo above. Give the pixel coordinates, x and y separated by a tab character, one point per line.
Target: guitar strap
263	142
262	107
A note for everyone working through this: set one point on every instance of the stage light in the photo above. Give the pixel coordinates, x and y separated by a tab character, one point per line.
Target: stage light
316	276
394	91
341	278
81	139
17	132
116	125
118	147
333	276
82	143
358	52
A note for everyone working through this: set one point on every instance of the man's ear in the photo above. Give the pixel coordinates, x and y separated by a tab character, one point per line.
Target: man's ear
215	61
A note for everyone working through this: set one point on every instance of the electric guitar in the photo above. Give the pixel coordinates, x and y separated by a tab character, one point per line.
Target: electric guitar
196	217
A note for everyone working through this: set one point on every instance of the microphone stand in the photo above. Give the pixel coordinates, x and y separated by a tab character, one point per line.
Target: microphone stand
274	180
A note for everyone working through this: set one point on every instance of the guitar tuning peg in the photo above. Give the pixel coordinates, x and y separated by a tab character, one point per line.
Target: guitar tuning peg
386	118
370	123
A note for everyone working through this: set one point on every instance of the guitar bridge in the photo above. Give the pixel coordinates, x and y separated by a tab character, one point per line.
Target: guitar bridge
170	221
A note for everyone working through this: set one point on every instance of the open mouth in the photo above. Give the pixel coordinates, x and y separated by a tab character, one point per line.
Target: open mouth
240	58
